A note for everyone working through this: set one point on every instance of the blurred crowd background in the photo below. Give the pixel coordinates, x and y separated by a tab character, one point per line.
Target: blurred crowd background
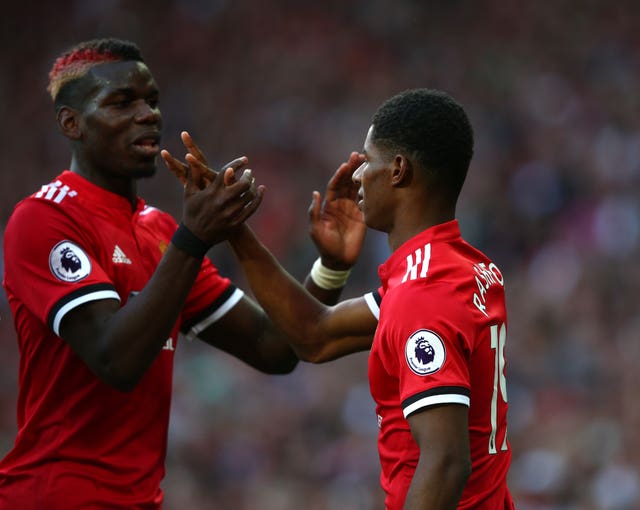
552	89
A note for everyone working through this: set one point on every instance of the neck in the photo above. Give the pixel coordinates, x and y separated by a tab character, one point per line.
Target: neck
408	229
120	185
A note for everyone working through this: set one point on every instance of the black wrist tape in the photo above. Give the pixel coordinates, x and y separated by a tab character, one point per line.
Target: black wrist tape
188	242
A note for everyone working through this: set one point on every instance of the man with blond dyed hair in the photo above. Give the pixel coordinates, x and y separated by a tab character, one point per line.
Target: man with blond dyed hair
100	285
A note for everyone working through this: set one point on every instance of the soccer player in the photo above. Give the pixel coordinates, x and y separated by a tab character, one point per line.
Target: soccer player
100	285
437	359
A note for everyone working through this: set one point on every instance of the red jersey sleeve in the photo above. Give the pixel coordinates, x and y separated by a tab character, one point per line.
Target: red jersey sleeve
427	347
211	296
50	266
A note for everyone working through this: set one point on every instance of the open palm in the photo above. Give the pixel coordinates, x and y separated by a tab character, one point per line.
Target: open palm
336	225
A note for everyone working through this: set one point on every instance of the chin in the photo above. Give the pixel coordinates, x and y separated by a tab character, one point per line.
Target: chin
144	173
371	223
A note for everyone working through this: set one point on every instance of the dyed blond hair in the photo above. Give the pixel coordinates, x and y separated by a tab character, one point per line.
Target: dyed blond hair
76	62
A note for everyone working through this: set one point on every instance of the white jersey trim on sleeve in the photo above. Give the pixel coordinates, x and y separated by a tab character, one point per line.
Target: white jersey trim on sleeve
216	315
372	304
86	298
434	400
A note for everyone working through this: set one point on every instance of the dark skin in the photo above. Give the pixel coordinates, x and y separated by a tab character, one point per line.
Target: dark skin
398	200
114	129
335	224
338	230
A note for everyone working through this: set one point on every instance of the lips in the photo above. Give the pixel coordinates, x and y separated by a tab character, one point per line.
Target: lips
147	144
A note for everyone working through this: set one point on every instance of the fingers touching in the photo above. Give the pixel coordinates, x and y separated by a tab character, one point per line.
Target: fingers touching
193	149
177	167
215	203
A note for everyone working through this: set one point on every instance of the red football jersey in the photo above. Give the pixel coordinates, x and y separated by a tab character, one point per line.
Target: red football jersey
440	340
81	443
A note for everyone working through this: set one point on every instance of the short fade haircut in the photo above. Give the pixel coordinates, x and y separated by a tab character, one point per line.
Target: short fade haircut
432	127
73	64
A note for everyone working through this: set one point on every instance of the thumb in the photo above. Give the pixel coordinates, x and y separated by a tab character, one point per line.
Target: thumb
229	176
314	207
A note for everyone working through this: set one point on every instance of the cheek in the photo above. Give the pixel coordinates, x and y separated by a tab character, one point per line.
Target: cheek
370	181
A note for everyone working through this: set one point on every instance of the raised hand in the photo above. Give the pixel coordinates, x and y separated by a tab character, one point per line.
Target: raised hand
223	205
179	168
336	225
215	203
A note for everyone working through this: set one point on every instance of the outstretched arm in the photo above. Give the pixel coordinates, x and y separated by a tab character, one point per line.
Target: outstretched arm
336	225
345	328
316	332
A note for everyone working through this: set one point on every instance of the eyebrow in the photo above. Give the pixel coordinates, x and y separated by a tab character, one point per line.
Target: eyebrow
121	90
130	91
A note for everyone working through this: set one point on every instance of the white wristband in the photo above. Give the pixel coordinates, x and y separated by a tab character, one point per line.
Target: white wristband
326	278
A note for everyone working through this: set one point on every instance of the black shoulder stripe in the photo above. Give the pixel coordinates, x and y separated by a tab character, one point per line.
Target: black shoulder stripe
72	296
186	326
440	390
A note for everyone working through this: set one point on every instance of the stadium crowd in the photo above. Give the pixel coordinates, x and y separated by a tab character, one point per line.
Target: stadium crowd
553	196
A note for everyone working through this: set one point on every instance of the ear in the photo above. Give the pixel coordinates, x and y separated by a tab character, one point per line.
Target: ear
401	171
69	122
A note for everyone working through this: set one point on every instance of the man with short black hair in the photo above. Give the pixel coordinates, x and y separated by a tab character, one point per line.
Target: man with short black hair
437	360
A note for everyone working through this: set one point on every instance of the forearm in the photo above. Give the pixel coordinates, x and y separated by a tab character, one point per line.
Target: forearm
437	485
142	327
280	295
120	343
326	296
247	333
316	332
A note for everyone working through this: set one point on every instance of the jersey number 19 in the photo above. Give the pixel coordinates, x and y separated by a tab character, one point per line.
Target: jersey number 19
498	340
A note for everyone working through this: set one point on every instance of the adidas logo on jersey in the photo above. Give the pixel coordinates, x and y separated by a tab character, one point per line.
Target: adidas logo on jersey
119	256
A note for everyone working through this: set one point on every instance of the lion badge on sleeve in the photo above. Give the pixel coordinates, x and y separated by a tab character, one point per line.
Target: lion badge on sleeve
425	352
68	262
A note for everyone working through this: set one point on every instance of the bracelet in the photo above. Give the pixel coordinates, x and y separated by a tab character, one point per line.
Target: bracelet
188	242
326	278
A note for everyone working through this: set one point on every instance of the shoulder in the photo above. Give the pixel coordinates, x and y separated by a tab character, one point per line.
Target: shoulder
156	219
34	213
422	294
154	214
52	198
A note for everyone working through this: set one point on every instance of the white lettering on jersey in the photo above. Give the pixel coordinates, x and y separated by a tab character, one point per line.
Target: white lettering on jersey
423	256
55	192
119	256
485	278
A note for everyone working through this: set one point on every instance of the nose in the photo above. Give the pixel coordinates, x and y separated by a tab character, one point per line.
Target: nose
356	177
148	113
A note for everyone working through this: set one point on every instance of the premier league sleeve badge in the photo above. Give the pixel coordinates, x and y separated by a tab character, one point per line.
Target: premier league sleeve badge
425	352
68	262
